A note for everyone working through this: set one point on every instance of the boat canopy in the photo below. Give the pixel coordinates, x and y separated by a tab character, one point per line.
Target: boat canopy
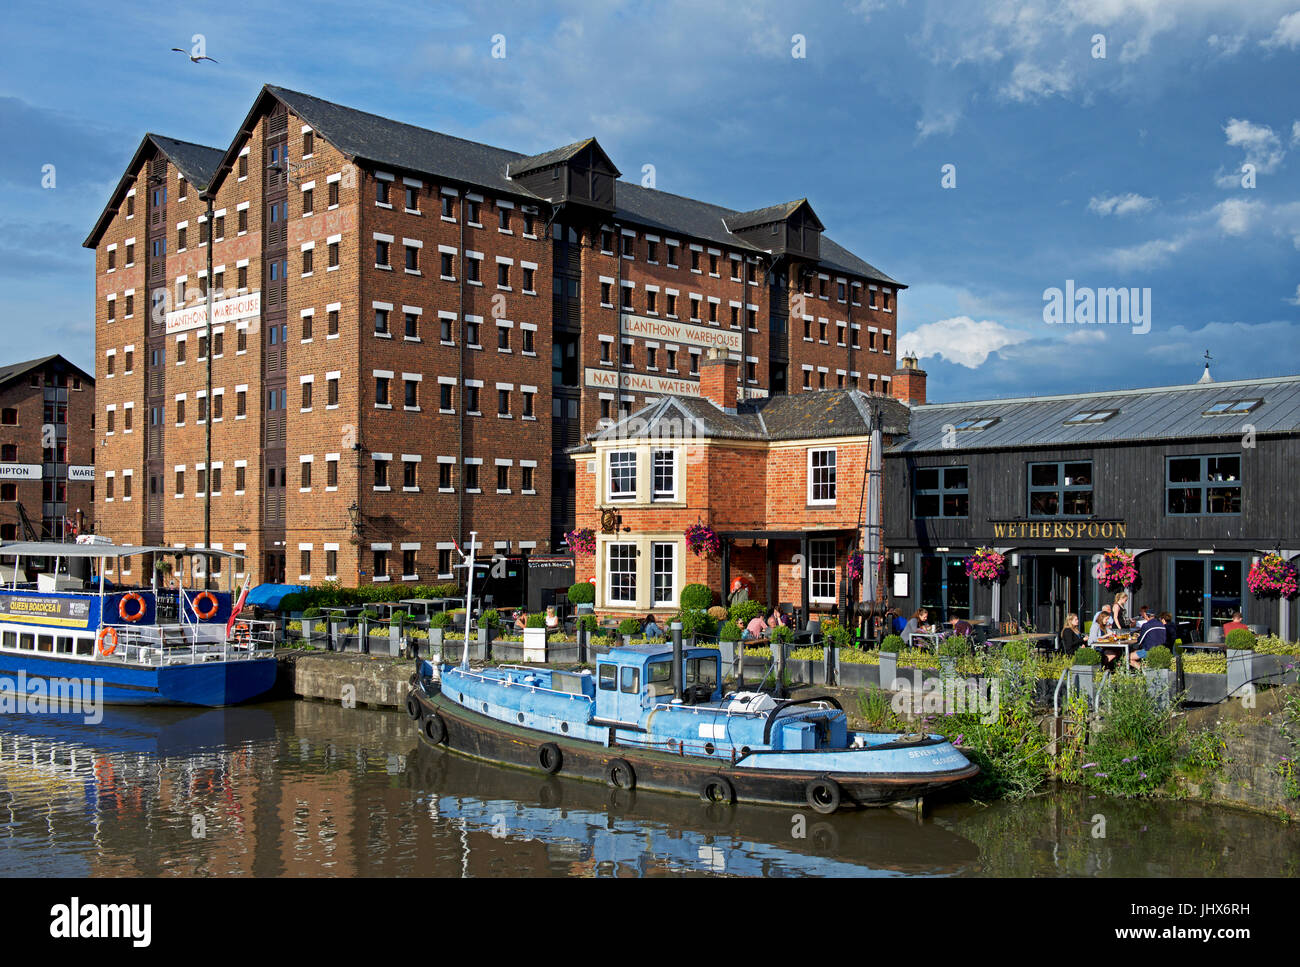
269	596
57	549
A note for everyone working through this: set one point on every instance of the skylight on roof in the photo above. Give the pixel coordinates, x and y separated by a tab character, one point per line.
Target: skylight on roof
1090	416
979	423
1232	407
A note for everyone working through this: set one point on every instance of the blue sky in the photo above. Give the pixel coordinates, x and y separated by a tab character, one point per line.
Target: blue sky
1115	171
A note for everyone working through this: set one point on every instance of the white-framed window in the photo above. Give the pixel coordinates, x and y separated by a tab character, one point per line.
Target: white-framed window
821	476
663	558
622	475
821	571
664	466
620	564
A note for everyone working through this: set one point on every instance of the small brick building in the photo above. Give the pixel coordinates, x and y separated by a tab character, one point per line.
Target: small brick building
780	480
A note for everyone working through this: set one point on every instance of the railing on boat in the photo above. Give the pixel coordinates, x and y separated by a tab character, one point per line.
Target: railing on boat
189	644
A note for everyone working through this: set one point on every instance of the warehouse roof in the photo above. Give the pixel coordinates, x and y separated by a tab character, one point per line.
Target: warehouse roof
13	371
1194	411
376	140
823	414
197	162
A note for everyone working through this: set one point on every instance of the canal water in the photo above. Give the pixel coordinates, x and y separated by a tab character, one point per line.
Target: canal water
312	789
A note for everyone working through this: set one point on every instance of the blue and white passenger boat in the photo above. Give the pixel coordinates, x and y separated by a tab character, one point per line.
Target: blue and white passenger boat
655	717
66	633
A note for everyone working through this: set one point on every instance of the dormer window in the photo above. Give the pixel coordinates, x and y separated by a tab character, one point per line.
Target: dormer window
1086	417
980	423
1232	407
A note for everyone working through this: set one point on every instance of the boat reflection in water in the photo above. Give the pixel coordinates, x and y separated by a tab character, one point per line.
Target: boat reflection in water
588	830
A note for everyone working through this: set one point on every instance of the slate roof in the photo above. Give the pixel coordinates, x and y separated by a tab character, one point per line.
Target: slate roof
13	371
819	415
197	162
382	141
1157	413
546	158
762	216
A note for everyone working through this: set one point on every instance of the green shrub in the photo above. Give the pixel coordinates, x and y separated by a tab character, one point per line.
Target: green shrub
1015	651
892	643
629	626
781	634
440	619
312	612
584	592
696	597
954	646
717	613
1087	656
1159	657
400	618
730	631
743	612
837	636
1133	752
489	618
536	621
1241	639
695	622
588	622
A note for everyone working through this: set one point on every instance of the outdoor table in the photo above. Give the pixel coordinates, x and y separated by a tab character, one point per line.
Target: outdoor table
1037	639
930	636
1126	643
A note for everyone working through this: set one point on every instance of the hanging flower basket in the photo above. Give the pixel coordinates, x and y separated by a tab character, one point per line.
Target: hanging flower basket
582	541
986	565
1272	577
1116	570
703	540
853	569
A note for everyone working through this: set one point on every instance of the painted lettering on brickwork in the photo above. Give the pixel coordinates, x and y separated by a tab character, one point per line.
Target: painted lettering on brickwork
681	332
635	382
322	226
1061	530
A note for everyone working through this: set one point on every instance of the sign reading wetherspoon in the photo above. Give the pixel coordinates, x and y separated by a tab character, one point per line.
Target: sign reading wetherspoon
1061	529
226	310
646	328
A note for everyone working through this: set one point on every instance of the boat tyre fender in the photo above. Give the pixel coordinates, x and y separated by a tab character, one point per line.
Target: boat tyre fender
717	789
550	758
435	730
413	707
823	794
619	774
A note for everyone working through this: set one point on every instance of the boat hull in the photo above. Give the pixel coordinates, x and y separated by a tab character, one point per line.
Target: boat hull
480	737
210	684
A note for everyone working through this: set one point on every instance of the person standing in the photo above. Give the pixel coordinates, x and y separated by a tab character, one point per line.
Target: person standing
1118	616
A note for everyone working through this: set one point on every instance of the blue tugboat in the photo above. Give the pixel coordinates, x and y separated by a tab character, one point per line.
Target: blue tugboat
655	717
68	638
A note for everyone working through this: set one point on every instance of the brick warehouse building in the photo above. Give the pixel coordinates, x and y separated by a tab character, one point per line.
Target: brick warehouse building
47	449
388	371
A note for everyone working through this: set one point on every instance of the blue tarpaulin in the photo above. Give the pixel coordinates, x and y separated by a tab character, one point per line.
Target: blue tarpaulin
270	595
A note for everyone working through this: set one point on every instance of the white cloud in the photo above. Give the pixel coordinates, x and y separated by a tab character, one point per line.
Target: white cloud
960	340
943	122
1295	134
1146	255
1296	300
1262	146
1129	204
1287	33
1029	82
1235	216
1228	46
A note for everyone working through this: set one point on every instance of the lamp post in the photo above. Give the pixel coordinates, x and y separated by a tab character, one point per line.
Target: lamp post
207	424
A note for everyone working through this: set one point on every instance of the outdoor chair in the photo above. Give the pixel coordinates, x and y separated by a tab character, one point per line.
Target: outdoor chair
1214	636
810	635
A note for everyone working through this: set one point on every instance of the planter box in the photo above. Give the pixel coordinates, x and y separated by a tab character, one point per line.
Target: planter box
888	670
1205	689
1160	683
857	675
1272	669
534	644
1083	679
1241	669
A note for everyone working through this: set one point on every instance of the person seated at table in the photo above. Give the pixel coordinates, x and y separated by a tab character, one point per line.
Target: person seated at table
962	627
915	624
757	628
1171	628
1145	614
652	631
521	620
778	619
1234	624
1152	633
552	619
1100	629
1070	637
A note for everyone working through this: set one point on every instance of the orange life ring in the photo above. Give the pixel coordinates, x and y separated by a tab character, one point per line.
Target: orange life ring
103	634
121	607
205	615
243	633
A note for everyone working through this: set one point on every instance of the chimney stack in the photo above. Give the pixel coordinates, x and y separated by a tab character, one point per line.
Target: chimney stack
719	374
909	381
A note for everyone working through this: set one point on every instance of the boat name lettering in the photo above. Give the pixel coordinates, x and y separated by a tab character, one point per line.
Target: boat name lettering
921	753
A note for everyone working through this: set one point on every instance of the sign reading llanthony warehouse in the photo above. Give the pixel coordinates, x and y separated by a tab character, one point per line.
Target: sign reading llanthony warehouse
647	328
1061	529
227	310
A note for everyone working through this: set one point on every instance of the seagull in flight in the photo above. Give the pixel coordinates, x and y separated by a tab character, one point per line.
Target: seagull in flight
192	57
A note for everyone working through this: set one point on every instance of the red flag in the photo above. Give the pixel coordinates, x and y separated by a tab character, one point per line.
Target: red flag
238	607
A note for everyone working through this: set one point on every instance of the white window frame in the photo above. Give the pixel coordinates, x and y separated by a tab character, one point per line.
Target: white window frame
813	483
656	493
655	548
819	573
622	496
631	573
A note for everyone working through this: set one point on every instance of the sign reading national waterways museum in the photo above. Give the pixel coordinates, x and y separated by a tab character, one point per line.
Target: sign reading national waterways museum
224	310
1060	529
